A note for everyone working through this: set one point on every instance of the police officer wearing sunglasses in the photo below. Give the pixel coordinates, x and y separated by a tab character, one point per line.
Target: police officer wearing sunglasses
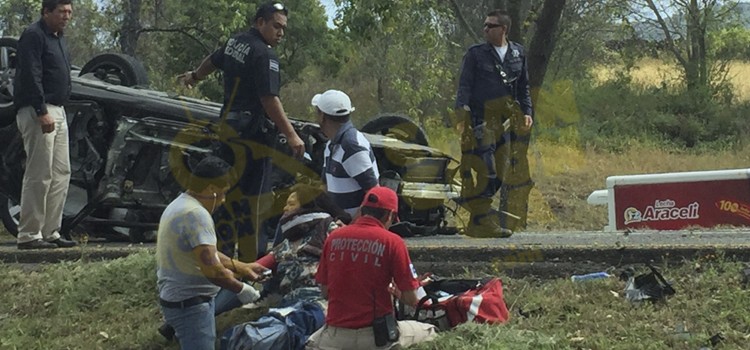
253	110
493	107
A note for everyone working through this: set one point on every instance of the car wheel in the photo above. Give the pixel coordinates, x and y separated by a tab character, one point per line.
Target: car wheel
396	126
10	211
7	74
116	69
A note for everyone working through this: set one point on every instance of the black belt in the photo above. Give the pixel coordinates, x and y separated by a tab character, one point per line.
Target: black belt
185	303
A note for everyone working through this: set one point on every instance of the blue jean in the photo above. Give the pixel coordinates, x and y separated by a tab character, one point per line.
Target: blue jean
194	326
226	300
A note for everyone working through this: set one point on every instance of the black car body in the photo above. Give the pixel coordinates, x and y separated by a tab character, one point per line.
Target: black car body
128	145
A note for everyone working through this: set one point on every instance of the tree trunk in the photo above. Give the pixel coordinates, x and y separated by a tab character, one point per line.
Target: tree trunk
514	10
381	94
131	26
543	42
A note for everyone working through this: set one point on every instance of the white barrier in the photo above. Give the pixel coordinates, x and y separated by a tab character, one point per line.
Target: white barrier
673	201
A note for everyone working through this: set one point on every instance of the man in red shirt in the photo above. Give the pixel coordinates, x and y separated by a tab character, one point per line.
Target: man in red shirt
358	264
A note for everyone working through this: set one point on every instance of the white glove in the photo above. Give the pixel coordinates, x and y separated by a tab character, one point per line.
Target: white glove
248	294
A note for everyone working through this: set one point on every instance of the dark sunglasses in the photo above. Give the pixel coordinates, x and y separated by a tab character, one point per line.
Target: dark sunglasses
492	25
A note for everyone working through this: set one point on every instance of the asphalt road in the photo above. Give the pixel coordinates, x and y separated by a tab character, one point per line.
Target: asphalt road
536	253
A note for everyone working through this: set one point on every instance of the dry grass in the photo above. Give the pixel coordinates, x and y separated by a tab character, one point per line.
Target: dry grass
652	72
566	175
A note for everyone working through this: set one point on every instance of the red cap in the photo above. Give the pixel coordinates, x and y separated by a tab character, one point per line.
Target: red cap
382	197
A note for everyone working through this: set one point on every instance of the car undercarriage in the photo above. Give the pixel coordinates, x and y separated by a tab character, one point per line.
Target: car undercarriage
129	145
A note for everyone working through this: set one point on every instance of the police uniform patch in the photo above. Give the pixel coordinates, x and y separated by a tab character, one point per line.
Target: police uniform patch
273	65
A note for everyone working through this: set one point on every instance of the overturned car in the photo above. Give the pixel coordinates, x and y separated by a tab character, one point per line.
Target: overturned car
129	146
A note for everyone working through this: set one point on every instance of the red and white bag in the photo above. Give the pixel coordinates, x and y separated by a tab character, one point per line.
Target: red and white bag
447	306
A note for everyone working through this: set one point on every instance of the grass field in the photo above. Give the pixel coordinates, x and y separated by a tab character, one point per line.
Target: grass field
112	305
653	72
565	175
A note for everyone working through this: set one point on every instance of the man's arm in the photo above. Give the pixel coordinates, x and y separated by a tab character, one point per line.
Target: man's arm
324	291
274	109
404	274
212	267
524	96
463	95
30	48
465	80
190	78
359	166
409	297
251	271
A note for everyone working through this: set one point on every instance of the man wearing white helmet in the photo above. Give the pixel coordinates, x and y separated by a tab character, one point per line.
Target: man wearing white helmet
349	168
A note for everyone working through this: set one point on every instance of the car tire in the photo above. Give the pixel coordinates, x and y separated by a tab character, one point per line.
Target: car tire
9	211
396	126
117	69
7	74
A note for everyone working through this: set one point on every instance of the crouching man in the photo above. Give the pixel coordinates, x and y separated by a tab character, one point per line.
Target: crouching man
358	264
190	271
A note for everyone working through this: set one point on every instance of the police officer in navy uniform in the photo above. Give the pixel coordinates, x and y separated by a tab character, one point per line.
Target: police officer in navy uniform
493	108
251	102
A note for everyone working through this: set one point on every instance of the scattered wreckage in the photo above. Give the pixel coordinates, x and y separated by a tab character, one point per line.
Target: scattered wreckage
128	145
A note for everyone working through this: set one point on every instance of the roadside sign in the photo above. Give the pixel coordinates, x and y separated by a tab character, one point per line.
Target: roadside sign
674	201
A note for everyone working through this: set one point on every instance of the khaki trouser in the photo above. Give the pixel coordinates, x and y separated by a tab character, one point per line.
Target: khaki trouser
331	338
47	175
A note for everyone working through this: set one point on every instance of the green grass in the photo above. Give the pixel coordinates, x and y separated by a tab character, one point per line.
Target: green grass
74	305
112	305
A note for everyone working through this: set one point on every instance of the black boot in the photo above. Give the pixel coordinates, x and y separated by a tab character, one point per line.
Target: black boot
166	331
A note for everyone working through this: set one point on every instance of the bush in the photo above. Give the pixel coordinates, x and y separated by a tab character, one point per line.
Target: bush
616	110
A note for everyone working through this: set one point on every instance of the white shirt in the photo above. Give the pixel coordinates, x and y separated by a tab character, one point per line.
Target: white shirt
502	50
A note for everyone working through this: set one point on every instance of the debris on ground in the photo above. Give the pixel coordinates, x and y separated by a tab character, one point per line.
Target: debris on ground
650	286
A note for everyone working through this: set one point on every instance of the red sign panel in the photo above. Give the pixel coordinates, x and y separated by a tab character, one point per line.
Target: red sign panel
674	206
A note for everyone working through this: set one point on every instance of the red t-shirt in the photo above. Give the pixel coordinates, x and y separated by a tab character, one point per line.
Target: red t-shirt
357	264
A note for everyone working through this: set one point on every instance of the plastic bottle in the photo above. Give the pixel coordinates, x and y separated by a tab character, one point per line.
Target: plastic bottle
589	276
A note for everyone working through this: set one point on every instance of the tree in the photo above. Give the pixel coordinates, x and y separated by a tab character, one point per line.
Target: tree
400	47
584	26
131	26
543	42
17	14
685	32
171	36
87	32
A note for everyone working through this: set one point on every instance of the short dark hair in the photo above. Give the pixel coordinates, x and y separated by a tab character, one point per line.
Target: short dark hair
51	5
378	213
211	170
337	118
267	10
502	16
